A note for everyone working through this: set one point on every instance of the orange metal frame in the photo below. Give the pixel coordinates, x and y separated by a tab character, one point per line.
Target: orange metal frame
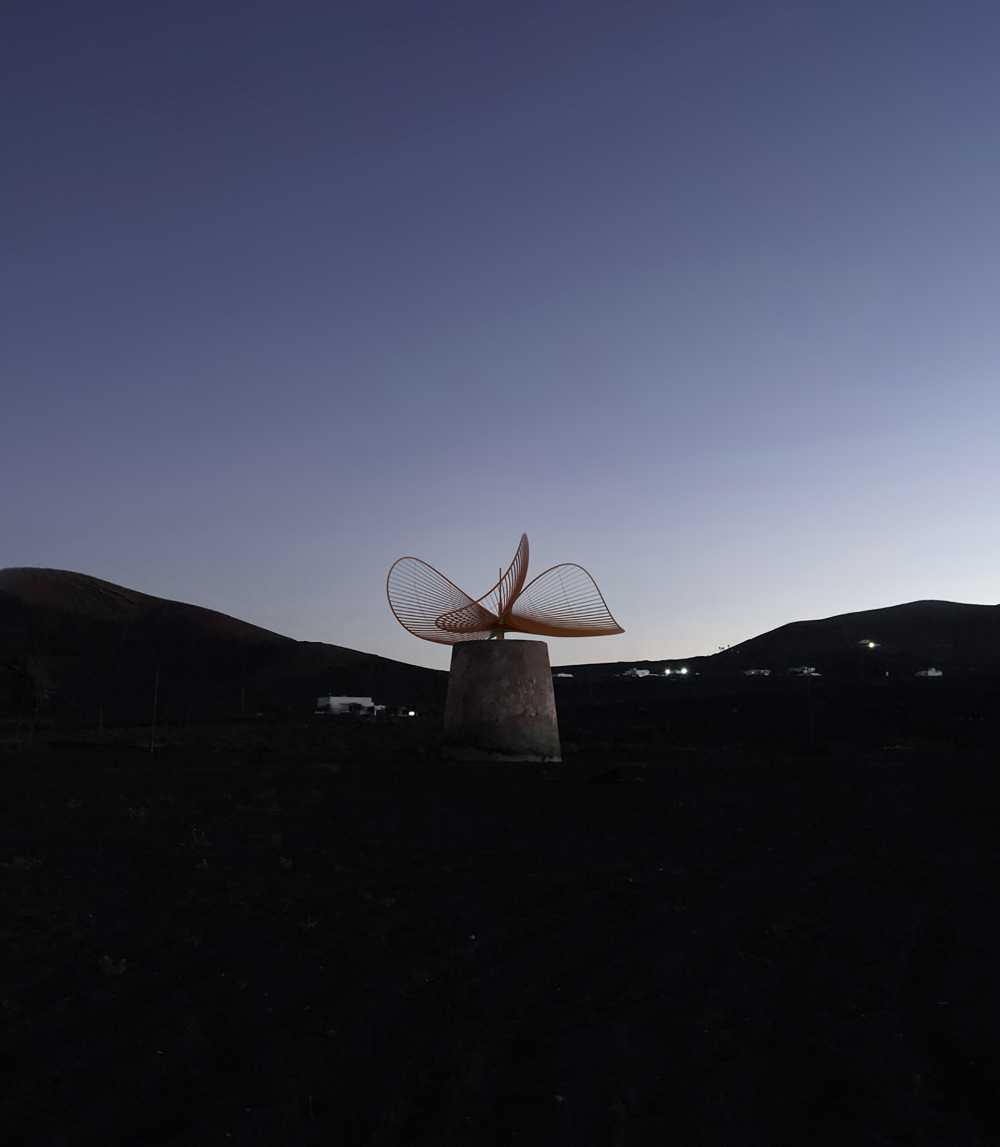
562	601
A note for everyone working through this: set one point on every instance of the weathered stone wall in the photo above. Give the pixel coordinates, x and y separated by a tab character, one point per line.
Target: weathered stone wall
501	705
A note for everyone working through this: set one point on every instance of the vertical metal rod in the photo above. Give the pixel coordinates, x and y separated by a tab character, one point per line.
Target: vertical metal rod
500	603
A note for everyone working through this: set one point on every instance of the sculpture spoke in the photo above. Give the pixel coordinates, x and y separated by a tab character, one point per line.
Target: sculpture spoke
563	601
432	607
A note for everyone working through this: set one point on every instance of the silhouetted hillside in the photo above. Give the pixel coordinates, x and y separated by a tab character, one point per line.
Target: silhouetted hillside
952	636
78	646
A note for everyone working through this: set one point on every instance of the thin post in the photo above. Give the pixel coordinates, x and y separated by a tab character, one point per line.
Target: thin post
812	712
500	602
156	697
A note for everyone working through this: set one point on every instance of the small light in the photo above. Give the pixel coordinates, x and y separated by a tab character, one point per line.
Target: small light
683	669
411	713
667	671
871	644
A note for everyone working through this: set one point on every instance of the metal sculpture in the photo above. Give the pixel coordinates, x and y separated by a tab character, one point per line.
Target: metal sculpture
562	601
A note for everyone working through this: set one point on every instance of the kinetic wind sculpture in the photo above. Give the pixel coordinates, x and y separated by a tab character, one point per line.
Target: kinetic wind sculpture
563	601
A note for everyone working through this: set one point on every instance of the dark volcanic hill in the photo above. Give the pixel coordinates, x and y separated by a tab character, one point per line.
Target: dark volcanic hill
79	645
948	634
953	636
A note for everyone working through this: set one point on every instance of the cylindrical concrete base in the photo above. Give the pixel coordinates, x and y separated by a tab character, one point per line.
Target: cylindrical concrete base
501	706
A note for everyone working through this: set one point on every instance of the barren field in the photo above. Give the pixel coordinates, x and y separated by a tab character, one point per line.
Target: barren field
319	934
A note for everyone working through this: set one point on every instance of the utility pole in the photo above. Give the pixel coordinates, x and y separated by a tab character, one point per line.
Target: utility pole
156	697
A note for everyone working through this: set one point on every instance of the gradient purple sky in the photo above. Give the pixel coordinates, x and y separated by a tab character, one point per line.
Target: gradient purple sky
701	295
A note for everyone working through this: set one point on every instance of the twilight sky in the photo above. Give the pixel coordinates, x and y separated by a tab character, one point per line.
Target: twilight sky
701	295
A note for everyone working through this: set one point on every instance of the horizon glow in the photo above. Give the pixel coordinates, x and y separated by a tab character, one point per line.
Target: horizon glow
700	296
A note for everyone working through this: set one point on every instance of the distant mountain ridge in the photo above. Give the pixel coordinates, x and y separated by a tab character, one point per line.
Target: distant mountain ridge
84	645
951	632
78	646
99	600
954	636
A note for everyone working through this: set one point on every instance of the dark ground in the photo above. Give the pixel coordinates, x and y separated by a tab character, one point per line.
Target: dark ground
316	933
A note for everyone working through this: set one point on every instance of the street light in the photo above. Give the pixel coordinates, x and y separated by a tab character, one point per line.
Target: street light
863	645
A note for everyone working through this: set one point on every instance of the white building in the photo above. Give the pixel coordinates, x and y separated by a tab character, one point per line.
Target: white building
634	672
341	706
930	671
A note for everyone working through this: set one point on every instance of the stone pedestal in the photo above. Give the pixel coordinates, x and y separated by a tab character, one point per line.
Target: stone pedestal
501	705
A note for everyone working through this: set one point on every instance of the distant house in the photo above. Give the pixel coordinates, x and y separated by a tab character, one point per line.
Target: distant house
562	674
804	671
930	671
756	672
634	672
359	707
345	706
